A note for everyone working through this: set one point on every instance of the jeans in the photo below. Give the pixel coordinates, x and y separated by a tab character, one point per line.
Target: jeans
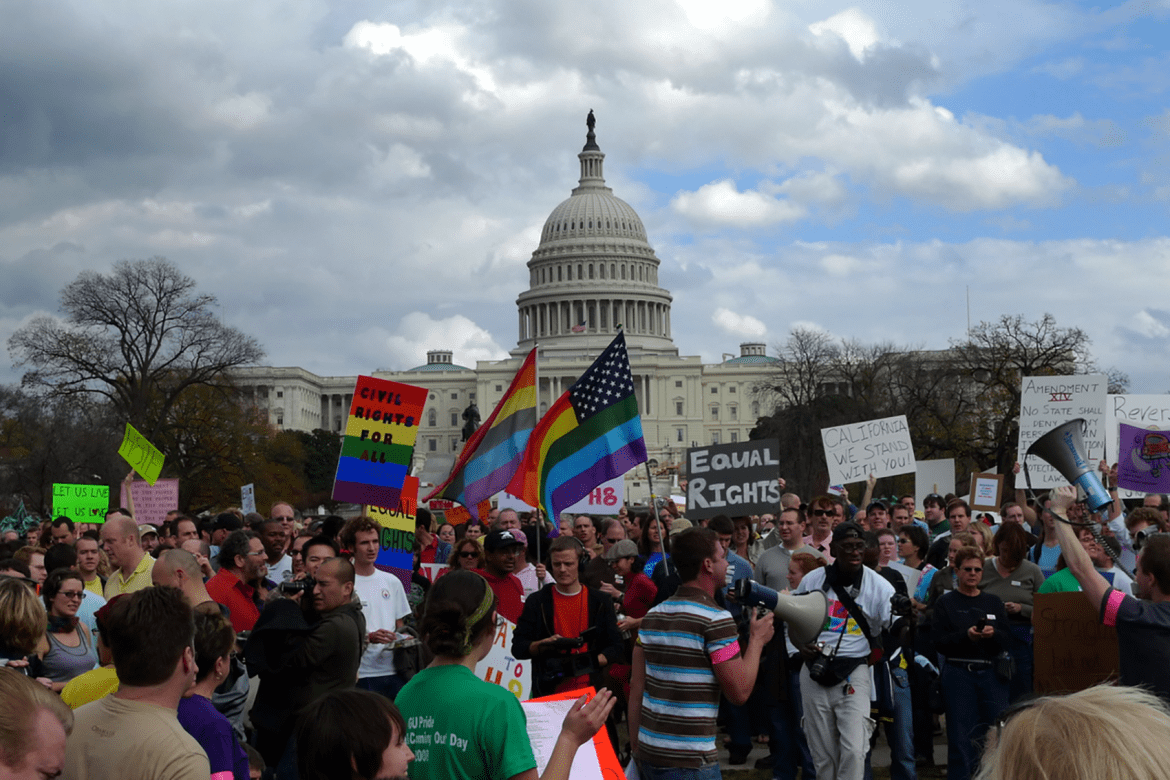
388	685
974	698
1019	646
789	746
705	772
900	732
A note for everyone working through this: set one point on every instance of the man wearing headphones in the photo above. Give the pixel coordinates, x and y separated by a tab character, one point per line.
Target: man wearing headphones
560	613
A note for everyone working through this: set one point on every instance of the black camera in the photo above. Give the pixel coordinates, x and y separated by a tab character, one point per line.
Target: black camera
293	587
818	668
566	643
981	624
901	605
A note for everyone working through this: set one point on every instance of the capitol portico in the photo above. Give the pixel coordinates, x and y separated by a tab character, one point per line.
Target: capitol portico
593	273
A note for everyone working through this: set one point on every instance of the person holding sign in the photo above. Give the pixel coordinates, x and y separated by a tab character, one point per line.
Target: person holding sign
463	728
1143	623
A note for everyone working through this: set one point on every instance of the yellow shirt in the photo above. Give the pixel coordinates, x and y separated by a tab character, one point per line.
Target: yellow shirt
139	579
91	686
95	586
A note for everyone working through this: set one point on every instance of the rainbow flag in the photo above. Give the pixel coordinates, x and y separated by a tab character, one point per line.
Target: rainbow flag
592	433
492	454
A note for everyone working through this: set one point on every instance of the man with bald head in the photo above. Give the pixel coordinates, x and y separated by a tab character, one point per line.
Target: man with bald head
179	569
123	547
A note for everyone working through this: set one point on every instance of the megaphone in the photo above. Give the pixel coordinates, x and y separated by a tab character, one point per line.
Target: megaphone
1063	449
805	614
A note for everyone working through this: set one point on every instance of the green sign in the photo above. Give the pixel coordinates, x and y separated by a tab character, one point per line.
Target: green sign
142	456
81	503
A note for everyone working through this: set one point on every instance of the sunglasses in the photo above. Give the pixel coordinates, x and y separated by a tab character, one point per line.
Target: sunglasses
468	554
972	568
72	594
823	512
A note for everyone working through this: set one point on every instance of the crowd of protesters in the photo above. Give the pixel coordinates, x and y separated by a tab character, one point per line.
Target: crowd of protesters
241	646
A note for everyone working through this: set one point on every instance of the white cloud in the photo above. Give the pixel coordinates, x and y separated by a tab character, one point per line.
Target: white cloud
853	26
742	325
1062	69
1143	322
720	203
418	332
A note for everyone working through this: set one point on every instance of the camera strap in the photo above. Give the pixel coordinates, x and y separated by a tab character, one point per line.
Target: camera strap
852	610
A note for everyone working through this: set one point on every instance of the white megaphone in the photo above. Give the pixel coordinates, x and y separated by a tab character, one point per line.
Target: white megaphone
1063	449
805	614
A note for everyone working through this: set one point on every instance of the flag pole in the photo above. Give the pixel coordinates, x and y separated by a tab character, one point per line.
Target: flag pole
657	518
536	375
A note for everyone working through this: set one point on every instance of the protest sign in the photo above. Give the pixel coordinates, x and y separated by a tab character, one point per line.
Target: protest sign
379	441
545	716
605	499
396	540
440	504
879	447
500	667
934	476
152	502
1143	463
431	570
986	492
81	503
142	456
248	498
733	479
1072	649
1144	411
1049	401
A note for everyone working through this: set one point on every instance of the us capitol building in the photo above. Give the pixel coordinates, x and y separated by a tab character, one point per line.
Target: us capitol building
593	273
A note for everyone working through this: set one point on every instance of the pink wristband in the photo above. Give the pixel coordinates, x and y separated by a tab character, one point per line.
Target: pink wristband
1112	604
725	653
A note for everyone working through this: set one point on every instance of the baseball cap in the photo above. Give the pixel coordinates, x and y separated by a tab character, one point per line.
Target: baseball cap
498	540
226	521
623	549
847	530
146	528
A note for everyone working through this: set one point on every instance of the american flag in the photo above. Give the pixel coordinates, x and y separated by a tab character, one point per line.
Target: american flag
607	381
578	328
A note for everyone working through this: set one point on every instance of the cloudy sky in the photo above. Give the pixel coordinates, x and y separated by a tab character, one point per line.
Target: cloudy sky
359	182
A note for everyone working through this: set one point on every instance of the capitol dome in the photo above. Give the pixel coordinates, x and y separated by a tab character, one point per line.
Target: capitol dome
593	273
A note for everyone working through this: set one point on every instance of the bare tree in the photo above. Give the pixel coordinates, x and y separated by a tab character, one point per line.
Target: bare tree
140	336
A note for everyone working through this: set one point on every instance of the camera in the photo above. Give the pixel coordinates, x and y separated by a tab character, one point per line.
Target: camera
293	587
981	624
901	605
818	668
566	643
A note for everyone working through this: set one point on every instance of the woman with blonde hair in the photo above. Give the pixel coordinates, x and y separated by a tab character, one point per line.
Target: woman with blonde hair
1104	731
23	623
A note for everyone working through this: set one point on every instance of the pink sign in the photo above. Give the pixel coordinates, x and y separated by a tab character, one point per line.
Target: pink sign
152	502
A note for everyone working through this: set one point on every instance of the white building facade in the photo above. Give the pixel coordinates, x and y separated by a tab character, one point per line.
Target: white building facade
593	273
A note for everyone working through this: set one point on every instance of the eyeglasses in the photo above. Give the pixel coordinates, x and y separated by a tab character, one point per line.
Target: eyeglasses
822	512
259	552
284	519
468	554
852	546
72	594
972	568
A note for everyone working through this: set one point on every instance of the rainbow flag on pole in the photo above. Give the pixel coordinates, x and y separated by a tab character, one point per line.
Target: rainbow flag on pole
592	433
492	454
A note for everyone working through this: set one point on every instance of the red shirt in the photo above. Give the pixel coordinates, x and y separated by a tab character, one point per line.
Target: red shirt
427	554
228	589
509	594
570	619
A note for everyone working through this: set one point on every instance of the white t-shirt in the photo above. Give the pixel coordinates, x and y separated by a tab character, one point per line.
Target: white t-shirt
384	604
874	601
281	571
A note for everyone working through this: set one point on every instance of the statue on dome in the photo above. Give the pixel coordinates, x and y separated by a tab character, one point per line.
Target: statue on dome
471	415
590	121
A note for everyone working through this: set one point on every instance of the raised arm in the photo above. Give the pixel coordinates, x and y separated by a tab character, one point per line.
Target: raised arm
1091	581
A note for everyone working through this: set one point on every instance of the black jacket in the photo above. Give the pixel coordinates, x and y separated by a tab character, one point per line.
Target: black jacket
536	623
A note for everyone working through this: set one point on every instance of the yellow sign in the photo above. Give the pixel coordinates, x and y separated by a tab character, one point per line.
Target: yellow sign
142	456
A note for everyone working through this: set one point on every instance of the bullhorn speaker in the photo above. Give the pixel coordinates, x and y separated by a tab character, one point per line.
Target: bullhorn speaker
805	614
1064	450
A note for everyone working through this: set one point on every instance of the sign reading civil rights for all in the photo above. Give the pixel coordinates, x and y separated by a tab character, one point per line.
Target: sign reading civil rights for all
879	447
1049	401
81	503
379	440
396	540
733	479
152	502
142	456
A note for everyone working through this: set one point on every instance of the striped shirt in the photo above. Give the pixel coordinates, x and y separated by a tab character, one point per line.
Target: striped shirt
682	640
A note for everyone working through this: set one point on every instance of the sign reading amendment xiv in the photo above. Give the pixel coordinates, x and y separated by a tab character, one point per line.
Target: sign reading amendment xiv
733	479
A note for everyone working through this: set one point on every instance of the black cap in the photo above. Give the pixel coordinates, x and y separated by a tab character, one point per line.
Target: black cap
498	540
226	521
848	530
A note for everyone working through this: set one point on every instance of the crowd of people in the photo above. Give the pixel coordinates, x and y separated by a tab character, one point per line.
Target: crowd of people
242	646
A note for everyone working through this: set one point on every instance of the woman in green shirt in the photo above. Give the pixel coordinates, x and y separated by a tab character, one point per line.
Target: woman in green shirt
460	726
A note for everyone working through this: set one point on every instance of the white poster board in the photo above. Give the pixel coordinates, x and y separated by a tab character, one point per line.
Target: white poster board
1143	411
248	498
1049	401
879	447
932	474
500	667
544	727
605	499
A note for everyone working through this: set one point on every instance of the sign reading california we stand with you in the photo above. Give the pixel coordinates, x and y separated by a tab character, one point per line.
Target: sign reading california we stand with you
379	440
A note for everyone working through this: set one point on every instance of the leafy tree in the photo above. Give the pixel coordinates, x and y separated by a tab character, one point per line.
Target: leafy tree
140	337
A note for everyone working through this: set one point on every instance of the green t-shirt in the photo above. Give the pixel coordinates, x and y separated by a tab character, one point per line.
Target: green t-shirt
1061	582
460	726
